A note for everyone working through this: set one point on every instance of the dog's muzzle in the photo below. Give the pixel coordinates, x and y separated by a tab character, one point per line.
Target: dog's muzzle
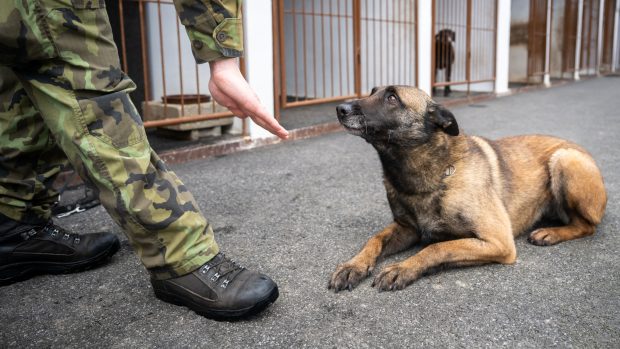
349	116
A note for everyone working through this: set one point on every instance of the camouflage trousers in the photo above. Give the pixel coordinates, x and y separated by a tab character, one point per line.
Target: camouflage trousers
64	97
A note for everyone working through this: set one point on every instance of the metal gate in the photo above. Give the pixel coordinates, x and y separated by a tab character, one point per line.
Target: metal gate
537	39
388	43
464	37
172	88
608	36
329	50
589	37
569	43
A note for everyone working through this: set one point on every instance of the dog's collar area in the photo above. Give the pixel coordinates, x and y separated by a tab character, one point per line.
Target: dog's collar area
449	171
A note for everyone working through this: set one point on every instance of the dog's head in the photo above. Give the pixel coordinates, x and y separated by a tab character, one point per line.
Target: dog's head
446	35
400	115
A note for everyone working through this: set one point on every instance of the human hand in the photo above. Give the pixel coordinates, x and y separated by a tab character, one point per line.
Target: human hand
230	89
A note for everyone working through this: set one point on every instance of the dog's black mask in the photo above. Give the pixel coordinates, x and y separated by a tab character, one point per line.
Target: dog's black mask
399	115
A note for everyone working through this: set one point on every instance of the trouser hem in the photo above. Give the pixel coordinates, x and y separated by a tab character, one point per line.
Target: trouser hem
163	273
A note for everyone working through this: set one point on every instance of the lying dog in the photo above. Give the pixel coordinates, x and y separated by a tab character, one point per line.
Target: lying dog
471	194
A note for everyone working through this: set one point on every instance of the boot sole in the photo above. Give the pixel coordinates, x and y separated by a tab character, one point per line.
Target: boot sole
16	272
220	315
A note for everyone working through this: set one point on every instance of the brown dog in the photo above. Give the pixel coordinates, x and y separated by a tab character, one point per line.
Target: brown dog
472	194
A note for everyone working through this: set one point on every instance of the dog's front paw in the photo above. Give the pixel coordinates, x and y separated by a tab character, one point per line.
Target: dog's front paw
544	237
394	277
347	276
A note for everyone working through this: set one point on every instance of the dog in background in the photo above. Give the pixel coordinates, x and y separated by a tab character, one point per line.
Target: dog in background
444	55
469	195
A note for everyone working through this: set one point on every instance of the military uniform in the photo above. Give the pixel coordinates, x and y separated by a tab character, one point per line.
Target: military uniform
64	99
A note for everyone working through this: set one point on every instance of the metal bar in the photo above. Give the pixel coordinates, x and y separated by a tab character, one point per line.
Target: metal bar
468	49
161	53
121	14
495	42
346	33
319	101
394	44
382	81
295	50
323	48
304	50
282	61
314	49
180	65
277	52
463	82
549	34
145	60
357	41
374	47
408	40
433	45
414	48
367	44
339	46
198	89
186	119
331	45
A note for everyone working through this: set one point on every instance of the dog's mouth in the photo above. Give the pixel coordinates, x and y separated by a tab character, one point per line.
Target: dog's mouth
354	124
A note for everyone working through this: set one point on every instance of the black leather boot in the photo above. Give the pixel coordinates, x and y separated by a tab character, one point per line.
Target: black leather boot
49	249
220	289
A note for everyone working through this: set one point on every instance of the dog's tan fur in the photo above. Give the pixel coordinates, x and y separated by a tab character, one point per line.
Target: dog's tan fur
475	196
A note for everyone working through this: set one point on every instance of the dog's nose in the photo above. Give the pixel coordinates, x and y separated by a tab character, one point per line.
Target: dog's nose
344	109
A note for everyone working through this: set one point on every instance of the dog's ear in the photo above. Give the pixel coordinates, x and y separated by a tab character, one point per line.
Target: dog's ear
444	119
374	89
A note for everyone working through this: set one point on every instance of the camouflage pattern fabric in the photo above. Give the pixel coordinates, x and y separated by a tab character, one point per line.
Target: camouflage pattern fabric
215	28
62	91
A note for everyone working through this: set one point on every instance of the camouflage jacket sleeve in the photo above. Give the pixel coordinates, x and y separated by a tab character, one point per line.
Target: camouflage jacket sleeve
214	27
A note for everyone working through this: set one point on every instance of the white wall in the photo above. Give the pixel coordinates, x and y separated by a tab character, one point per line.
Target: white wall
425	42
259	57
503	47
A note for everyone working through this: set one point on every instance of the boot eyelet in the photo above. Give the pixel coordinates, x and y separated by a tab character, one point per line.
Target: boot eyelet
205	269
76	241
224	283
66	237
215	277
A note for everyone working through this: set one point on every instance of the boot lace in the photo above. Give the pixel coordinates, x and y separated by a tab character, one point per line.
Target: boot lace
56	232
225	269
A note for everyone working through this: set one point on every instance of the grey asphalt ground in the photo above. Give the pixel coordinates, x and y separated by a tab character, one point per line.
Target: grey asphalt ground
296	210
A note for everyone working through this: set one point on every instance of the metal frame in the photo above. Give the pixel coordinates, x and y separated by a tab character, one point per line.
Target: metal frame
202	115
329	36
589	37
472	23
609	15
537	38
569	42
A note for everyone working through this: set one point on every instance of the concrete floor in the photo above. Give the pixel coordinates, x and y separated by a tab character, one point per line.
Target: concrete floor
296	210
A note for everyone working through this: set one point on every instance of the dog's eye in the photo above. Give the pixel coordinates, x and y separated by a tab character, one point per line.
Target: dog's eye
392	99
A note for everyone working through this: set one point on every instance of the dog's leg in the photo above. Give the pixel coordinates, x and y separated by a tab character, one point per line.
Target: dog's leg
494	243
392	239
446	91
577	186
